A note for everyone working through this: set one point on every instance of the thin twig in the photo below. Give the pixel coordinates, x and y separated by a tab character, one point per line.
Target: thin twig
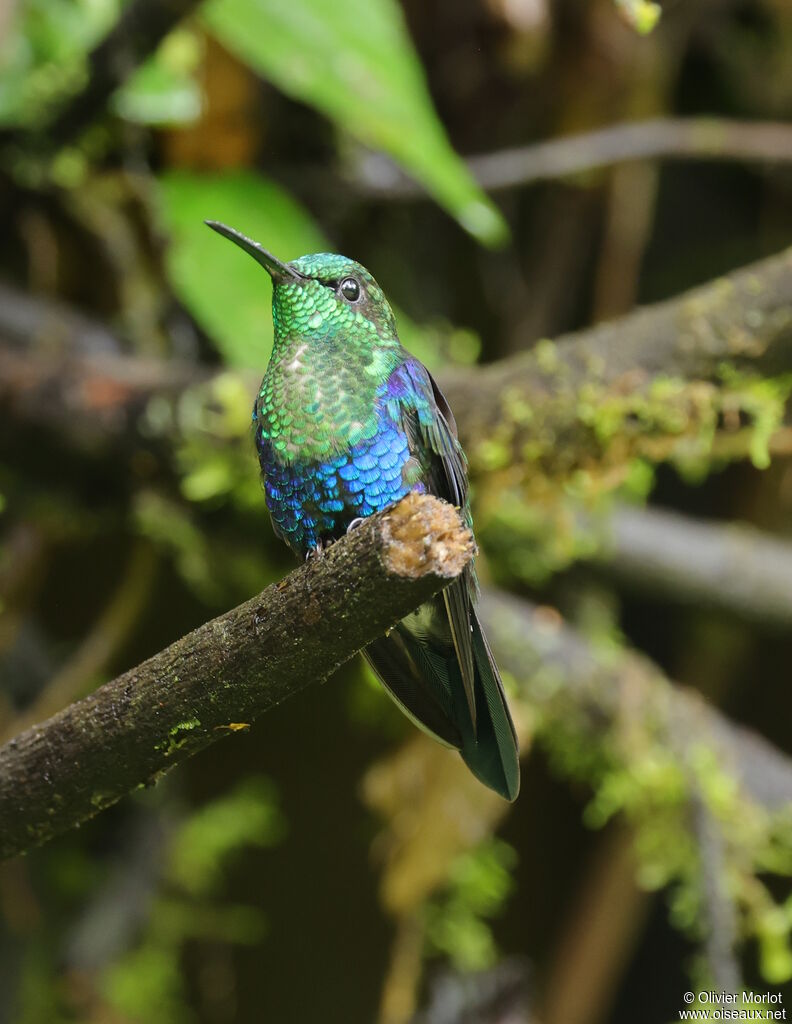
719	911
694	138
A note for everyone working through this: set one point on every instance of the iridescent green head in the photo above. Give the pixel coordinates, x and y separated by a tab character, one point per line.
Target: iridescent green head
321	296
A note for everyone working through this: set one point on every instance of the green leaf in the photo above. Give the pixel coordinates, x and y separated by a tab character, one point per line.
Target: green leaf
355	62
226	291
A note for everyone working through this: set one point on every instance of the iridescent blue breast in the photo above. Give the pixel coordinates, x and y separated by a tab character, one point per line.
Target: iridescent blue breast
312	502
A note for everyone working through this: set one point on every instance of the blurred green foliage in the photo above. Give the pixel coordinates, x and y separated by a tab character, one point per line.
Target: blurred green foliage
249	815
43	55
456	921
45	58
164	90
144	984
225	289
643	15
357	66
356	63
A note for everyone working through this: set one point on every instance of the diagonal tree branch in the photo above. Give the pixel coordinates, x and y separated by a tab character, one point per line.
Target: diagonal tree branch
617	705
647	384
641	385
227	672
224	674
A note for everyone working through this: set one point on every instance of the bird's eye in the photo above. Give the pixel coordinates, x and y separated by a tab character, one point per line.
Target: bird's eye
350	289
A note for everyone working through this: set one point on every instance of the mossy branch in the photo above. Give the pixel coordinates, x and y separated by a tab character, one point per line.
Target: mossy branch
677	379
703	375
227	672
613	706
666	761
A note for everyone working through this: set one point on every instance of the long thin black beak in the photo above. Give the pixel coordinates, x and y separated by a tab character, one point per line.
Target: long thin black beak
279	272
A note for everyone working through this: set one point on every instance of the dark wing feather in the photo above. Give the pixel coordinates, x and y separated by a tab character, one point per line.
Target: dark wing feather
433	429
417	681
436	663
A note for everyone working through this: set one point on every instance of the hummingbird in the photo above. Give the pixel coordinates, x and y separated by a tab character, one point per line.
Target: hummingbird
347	422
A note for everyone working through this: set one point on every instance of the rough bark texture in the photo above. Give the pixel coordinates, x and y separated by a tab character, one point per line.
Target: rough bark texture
227	672
642	385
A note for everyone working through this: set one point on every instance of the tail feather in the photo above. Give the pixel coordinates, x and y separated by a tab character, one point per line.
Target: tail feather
418	666
492	754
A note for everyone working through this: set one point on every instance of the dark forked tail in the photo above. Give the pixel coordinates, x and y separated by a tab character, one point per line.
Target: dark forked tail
418	666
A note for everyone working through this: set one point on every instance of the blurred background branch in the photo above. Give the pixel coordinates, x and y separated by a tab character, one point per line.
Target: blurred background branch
90	660
723	566
614	701
650	381
694	138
